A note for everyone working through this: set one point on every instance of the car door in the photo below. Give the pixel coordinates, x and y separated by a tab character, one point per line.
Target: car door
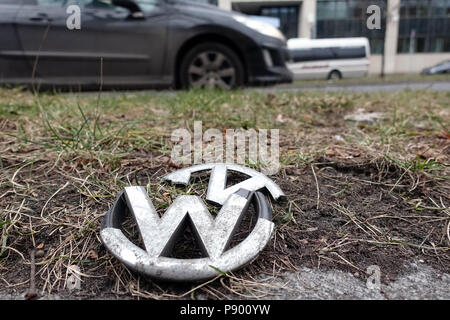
12	63
110	46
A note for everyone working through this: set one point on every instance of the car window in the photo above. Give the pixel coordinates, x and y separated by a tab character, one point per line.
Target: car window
9	2
96	4
56	3
81	3
89	3
145	5
148	5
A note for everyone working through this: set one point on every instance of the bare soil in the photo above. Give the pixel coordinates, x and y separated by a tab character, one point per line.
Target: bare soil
346	208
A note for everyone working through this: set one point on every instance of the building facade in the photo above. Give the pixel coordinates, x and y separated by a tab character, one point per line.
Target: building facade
414	34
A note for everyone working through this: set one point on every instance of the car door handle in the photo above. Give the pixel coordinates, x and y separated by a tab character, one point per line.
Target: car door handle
40	17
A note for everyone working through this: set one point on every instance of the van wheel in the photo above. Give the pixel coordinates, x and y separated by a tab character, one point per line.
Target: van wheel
211	65
335	75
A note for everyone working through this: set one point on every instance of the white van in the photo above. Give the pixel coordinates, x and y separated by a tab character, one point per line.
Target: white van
334	58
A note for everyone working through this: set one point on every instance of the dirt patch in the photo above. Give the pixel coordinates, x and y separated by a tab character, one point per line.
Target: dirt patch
336	216
358	221
357	195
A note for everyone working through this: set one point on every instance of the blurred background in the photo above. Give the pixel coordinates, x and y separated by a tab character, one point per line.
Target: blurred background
415	34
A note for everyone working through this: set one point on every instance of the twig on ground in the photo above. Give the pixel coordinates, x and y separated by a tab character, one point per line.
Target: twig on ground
317	186
46	203
31	294
448	232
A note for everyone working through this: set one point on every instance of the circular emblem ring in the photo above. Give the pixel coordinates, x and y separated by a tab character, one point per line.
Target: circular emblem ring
213	233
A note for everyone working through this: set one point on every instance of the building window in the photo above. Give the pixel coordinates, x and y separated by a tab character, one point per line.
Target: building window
440	45
424	26
348	18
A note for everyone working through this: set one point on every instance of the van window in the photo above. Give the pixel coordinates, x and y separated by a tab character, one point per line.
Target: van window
302	54
332	53
350	53
323	53
313	54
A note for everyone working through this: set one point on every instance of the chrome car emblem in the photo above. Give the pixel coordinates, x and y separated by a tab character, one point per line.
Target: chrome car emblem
214	234
216	189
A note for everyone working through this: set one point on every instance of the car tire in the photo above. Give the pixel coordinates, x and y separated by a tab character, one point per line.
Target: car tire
334	75
211	65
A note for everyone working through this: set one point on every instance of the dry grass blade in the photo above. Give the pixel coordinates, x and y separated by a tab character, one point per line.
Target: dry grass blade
377	195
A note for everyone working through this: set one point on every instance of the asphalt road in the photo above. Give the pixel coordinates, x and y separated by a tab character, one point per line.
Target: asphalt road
419	282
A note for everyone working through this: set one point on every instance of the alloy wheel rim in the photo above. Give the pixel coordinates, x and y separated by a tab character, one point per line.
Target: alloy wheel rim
211	69
335	76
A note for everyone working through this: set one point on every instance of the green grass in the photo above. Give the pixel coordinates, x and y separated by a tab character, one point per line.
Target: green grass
121	123
94	133
64	157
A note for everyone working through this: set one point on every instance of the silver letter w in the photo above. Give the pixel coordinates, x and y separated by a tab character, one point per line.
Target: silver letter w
213	234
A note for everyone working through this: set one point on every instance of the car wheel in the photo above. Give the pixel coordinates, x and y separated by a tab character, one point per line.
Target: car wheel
335	75
211	65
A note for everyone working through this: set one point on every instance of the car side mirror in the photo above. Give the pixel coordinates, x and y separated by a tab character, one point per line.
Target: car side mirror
135	11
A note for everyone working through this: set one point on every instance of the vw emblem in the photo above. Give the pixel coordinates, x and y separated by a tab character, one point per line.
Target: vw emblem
214	234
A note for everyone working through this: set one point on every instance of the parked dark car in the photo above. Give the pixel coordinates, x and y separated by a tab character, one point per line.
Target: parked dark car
441	68
142	43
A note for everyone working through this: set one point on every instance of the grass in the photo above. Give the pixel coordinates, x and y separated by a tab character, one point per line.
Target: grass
381	186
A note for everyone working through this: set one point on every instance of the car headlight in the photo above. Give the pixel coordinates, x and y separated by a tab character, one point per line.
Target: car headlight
261	27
